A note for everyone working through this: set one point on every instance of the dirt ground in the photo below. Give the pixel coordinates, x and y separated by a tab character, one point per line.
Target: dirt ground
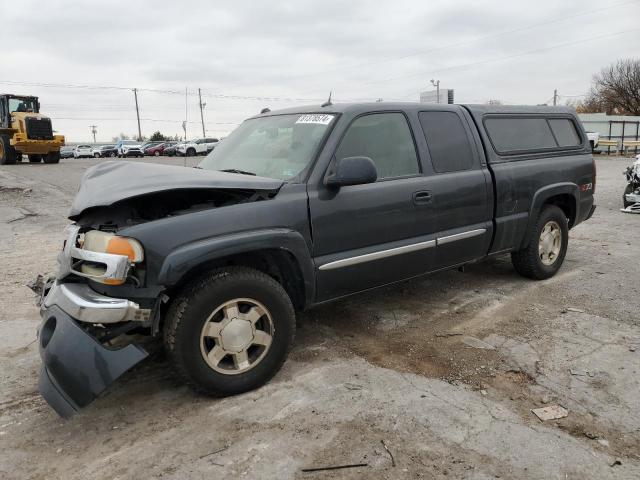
400	365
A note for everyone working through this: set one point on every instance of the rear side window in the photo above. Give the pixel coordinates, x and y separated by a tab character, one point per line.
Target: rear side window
447	141
386	139
529	134
565	132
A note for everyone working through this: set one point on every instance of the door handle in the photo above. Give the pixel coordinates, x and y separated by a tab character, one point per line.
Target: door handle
422	198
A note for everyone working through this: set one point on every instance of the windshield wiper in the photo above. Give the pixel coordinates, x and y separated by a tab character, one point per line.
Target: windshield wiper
235	170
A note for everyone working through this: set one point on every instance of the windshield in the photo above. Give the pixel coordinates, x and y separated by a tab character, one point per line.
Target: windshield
279	146
22	105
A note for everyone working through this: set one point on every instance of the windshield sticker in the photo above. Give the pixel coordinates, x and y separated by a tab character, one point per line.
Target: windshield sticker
319	118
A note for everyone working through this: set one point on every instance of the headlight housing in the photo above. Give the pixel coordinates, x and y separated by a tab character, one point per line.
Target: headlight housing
109	243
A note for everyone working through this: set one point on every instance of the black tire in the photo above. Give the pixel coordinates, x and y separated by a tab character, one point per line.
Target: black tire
190	310
52	157
113	154
191	152
8	154
628	189
527	262
35	158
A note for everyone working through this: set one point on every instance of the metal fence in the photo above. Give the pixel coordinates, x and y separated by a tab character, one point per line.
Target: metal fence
613	127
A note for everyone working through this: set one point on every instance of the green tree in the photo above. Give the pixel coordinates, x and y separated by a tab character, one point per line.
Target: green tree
157	136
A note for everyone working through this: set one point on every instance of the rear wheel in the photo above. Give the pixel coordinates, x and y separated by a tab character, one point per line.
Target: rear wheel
8	154
35	158
230	332
52	157
548	240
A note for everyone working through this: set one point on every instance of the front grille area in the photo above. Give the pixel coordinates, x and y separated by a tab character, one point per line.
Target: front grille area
38	129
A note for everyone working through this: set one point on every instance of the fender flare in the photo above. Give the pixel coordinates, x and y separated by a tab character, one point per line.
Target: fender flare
542	195
186	257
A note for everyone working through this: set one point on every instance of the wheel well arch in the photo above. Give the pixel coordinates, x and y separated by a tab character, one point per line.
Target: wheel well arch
279	264
567	203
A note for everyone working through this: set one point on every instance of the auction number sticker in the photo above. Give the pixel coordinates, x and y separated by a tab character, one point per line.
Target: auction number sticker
319	118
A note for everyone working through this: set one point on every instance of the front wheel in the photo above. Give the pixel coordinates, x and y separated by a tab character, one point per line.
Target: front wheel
52	157
230	332
548	240
628	189
191	152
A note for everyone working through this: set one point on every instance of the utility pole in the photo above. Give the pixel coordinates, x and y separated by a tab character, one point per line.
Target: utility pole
555	97
436	83
135	94
94	130
202	105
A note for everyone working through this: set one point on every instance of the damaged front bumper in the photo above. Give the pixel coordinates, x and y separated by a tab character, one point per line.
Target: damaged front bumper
77	367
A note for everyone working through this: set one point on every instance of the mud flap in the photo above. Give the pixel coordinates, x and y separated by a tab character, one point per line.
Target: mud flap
76	367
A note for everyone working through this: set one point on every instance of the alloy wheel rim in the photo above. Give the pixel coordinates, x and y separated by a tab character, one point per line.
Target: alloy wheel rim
236	336
550	243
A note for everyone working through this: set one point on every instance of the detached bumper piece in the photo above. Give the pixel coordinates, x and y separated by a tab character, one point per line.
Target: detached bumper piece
76	366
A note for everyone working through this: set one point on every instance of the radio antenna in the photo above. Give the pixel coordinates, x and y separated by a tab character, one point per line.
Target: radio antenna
328	102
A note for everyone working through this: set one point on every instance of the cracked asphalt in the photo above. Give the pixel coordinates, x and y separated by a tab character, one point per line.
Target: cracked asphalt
398	365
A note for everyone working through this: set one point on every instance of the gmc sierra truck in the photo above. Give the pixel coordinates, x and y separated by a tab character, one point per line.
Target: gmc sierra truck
296	208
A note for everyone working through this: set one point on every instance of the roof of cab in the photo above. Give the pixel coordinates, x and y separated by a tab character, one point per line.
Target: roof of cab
357	108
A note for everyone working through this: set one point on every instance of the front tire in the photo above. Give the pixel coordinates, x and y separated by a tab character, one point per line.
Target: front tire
230	331
191	152
548	240
52	157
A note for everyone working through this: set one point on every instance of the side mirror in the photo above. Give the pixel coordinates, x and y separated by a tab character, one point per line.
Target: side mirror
352	171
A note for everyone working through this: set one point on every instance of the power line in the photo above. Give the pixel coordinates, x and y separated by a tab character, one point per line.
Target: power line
153	90
459	44
91	119
506	57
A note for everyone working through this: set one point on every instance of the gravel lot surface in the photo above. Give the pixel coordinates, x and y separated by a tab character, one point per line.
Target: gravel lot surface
399	365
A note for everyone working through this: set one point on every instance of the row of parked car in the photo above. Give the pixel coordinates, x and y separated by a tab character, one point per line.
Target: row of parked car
132	148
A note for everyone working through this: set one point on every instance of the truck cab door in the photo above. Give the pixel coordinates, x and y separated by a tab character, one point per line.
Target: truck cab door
369	235
461	186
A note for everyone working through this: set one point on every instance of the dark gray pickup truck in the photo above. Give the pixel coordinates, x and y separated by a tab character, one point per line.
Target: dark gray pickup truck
295	208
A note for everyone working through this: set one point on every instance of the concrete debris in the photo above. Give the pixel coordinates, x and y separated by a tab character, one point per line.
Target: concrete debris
352	386
477	343
581	373
617	461
552	412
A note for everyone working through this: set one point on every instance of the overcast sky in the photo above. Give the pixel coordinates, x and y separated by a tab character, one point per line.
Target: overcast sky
296	52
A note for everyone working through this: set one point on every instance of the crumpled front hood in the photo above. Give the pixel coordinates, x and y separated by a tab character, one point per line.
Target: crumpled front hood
111	182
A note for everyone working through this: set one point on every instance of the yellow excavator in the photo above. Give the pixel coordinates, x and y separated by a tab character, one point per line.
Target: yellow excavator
24	131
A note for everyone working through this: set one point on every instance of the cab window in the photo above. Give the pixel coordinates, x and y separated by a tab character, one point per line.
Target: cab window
386	139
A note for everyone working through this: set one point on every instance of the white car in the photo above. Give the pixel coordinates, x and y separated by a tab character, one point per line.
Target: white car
201	146
594	138
83	151
129	148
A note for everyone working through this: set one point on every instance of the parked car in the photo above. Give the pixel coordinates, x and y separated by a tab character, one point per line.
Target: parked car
296	208
158	150
201	146
66	152
105	151
594	138
83	151
171	150
129	148
147	145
